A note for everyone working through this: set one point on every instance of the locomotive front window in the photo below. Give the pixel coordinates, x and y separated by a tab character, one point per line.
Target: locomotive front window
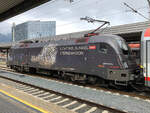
123	46
103	48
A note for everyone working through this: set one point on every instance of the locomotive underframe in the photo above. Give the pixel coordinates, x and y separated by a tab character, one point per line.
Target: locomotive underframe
117	77
121	77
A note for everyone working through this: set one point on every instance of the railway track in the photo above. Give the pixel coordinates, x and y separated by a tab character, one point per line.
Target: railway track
133	93
74	104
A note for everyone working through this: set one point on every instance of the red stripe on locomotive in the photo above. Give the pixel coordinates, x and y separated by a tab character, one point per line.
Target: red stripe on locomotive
92	47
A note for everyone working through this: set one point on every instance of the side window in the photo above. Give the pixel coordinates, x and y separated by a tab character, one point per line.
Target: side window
103	48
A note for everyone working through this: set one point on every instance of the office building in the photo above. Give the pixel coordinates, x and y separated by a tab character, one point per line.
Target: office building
33	29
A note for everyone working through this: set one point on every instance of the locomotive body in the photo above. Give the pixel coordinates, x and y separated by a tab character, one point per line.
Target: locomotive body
106	57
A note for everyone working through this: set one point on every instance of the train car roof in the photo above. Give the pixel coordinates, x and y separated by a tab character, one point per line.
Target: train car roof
145	34
73	41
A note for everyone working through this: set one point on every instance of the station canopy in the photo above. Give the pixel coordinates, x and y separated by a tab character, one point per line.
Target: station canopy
10	8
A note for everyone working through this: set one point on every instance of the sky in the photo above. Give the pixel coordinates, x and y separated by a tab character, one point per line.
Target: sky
67	15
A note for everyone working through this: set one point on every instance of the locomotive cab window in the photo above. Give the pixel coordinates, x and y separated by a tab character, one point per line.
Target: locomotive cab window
124	47
103	48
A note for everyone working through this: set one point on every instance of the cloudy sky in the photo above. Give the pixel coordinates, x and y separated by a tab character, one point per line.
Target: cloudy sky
67	15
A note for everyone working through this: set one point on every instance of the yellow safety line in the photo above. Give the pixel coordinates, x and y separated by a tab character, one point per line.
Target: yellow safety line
24	102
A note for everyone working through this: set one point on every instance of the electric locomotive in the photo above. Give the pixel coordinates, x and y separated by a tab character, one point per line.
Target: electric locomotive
103	58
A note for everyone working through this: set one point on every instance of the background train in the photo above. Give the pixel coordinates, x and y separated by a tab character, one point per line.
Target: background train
142	52
103	58
145	55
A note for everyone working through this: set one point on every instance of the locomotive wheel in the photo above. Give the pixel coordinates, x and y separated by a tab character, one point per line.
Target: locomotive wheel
17	69
92	80
112	85
72	78
11	67
22	69
32	70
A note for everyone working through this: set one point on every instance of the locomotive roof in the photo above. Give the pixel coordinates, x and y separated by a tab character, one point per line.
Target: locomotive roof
74	41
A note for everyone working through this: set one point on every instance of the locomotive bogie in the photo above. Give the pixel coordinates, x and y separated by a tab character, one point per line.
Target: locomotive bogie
119	75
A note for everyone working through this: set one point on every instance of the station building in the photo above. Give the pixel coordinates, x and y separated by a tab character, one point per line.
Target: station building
33	29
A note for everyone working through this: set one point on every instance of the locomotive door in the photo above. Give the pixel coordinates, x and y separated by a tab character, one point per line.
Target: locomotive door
147	78
25	57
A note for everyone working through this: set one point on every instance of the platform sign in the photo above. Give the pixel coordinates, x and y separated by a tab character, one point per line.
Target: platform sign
145	55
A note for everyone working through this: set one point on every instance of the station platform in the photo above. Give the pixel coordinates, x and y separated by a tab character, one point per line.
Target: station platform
15	101
11	105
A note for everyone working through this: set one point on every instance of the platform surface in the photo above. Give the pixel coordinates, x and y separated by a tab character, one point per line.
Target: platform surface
9	105
36	104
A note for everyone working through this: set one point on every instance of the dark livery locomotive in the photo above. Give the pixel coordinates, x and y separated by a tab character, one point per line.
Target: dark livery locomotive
105	58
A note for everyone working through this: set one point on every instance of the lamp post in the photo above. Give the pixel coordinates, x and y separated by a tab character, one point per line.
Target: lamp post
13	32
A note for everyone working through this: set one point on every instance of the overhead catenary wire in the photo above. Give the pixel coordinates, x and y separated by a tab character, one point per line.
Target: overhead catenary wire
72	4
97	16
135	11
78	21
77	2
114	13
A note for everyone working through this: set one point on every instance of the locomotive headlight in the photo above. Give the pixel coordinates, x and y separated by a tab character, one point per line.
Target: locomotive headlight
141	66
125	65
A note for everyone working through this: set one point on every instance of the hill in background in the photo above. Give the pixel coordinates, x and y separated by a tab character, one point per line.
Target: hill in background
5	38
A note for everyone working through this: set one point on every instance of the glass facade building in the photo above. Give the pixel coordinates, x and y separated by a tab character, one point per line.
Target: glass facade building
34	29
